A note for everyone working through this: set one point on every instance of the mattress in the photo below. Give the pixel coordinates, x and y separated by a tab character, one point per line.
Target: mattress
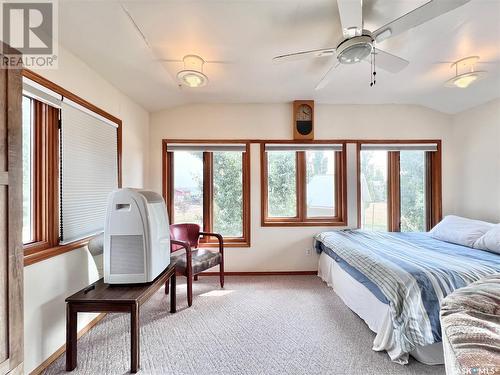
375	313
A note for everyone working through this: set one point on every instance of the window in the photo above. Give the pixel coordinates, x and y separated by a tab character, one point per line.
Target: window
412	182
303	184
188	187
374	199
400	186
27	117
282	184
59	166
227	174
40	127
209	184
320	183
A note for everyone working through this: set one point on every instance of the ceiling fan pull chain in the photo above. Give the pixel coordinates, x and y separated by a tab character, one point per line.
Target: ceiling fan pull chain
371	70
374	67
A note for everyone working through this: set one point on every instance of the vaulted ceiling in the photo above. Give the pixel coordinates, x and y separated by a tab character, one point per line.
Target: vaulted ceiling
127	41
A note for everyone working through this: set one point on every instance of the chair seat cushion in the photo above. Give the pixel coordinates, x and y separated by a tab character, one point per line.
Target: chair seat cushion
202	260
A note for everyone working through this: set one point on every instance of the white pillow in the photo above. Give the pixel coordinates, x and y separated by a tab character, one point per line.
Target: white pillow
490	241
460	230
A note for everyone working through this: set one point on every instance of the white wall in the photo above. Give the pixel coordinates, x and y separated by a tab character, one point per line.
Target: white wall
283	248
48	283
476	136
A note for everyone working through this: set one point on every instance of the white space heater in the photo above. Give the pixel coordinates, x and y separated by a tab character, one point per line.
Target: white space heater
136	237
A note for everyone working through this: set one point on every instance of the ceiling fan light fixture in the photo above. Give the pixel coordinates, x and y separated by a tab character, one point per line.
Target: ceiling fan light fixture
192	75
354	50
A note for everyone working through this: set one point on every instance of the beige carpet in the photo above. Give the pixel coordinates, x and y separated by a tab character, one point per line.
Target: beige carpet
256	325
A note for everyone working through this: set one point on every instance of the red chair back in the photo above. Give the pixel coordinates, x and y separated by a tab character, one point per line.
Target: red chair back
189	233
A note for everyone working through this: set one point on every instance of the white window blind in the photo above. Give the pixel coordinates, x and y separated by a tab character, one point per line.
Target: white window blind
89	171
41	93
206	147
302	147
399	147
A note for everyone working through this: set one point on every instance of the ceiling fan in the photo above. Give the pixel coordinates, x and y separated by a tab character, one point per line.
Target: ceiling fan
358	44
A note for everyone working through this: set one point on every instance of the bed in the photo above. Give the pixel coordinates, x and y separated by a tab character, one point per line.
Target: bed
396	281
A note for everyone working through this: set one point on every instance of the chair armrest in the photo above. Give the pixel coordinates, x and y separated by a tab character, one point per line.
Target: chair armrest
183	244
219	238
187	246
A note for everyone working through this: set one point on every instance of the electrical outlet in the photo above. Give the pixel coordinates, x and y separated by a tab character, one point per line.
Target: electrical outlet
308	251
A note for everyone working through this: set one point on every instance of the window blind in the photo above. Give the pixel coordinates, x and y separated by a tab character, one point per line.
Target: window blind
303	147
89	171
399	146
41	93
206	147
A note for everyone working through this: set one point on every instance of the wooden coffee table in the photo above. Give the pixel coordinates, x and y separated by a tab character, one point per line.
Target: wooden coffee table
127	298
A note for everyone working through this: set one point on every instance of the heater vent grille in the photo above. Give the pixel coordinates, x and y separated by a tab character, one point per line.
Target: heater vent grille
127	255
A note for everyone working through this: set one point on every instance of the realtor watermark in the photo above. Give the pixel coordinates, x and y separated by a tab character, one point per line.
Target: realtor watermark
480	370
31	28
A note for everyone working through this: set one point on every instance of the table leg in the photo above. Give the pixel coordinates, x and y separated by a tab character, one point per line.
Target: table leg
71	337
134	337
173	282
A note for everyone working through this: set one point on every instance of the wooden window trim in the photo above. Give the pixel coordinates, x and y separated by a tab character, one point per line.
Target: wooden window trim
46	181
393	192
168	188
434	208
301	219
46	227
434	187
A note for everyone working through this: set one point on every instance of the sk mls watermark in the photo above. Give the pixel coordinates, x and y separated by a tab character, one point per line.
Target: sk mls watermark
31	28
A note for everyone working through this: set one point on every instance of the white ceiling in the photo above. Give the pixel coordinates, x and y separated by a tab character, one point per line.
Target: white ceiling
246	34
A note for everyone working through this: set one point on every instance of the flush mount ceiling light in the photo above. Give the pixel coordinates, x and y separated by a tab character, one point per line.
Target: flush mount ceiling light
192	74
463	80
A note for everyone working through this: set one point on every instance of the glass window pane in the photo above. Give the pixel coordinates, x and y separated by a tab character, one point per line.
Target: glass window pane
282	187
412	182
27	171
228	193
320	187
188	187
374	190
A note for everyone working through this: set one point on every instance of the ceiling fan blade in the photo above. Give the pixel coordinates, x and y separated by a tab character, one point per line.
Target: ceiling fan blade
351	17
323	52
326	77
389	62
426	12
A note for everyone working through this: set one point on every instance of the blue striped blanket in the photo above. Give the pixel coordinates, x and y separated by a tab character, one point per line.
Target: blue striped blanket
411	272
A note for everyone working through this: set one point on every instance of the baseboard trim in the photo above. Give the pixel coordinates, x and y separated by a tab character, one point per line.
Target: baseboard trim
59	352
262	273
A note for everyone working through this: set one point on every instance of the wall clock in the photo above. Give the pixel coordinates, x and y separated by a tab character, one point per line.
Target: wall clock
303	119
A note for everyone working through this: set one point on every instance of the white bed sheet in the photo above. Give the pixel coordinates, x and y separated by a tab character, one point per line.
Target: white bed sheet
375	313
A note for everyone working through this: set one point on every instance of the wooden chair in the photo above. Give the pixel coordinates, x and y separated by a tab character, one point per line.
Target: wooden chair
194	260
